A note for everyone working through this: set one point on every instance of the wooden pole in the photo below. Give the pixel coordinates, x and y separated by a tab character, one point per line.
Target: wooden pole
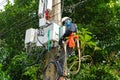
56	12
56	18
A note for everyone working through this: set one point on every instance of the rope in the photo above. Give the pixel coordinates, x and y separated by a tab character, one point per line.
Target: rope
75	72
66	69
65	63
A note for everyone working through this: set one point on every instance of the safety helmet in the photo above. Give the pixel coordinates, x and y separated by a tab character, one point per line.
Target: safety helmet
65	19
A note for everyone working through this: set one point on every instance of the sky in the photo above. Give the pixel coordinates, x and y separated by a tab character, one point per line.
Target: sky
4	2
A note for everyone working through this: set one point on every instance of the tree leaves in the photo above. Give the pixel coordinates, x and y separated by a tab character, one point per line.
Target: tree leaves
86	38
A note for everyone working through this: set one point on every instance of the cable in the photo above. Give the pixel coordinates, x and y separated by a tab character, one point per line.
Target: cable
75	5
15	26
37	57
11	25
58	69
40	42
62	7
22	26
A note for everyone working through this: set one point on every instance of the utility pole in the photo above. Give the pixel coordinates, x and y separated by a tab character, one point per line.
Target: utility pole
56	18
56	13
49	13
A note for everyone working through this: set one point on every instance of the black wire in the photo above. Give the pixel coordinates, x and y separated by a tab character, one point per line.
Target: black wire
75	5
40	42
56	68
62	7
15	26
37	58
24	28
15	23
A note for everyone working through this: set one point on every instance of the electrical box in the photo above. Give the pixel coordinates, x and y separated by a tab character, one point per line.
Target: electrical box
49	4
51	33
30	36
42	22
41	7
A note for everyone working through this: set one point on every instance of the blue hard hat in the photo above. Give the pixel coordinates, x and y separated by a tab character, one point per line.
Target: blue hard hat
67	23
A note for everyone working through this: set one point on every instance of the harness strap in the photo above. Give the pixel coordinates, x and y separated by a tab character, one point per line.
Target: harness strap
48	40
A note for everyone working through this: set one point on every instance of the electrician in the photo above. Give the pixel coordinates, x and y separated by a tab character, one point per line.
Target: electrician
70	28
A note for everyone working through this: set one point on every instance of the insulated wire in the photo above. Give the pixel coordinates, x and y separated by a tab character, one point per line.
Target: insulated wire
77	4
56	66
22	27
22	23
37	58
74	6
62	7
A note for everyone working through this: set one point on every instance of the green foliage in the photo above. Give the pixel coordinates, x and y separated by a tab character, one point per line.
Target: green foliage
85	38
16	67
3	75
31	71
3	51
98	72
86	41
